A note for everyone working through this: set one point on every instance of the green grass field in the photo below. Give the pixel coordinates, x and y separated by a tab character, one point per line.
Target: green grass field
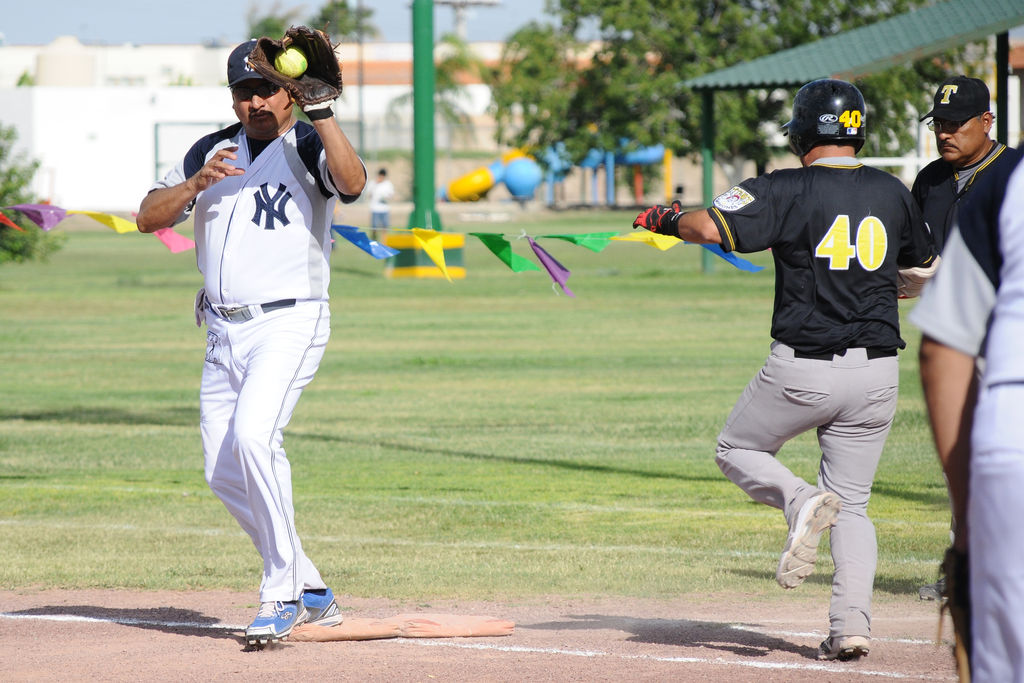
486	439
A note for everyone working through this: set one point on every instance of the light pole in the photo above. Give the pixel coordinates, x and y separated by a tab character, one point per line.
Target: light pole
359	34
460	12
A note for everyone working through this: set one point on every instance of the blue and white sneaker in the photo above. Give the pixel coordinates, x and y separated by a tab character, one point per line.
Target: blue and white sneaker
322	609
275	621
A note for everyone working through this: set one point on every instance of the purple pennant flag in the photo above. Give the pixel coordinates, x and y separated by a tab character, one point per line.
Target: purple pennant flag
44	215
559	273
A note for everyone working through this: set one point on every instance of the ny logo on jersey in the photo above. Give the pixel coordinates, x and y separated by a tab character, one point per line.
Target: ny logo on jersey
273	206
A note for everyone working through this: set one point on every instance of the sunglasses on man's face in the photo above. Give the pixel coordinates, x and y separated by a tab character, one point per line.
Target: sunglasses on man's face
944	126
264	90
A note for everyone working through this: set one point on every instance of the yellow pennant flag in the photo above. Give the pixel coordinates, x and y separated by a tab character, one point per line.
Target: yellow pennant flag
432	243
116	223
662	242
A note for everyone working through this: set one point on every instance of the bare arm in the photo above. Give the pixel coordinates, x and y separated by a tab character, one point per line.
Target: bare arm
950	391
697	227
160	207
342	161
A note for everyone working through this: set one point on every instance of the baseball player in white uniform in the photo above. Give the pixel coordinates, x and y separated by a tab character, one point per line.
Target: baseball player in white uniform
974	311
262	193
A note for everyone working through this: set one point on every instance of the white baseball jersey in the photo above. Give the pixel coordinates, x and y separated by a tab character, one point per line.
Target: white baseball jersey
976	305
265	235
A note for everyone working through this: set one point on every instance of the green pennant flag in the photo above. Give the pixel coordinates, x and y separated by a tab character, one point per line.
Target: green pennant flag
594	241
501	248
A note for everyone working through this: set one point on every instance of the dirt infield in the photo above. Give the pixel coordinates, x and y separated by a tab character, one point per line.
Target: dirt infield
170	636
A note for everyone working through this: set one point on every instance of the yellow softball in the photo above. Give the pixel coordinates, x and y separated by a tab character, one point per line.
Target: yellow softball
290	62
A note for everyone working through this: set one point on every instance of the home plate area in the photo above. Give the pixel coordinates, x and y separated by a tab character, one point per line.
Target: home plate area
143	635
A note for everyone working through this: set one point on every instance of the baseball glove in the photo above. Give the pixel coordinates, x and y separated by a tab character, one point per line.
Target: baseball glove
956	599
320	84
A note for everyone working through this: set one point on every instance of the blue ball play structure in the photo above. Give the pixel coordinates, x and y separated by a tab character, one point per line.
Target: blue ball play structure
558	167
522	175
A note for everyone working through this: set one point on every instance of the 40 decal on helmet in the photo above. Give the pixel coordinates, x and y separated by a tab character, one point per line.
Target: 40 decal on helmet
826	111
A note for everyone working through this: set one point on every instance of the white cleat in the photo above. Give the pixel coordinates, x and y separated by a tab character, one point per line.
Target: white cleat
818	513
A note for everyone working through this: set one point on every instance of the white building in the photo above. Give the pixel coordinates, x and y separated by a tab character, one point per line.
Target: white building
106	121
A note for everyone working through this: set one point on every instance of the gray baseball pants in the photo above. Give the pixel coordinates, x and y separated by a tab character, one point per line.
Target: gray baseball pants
850	400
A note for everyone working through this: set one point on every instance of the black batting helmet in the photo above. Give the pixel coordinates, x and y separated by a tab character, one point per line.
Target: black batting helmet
826	110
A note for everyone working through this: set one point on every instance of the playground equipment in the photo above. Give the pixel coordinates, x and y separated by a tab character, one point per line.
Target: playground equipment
642	156
520	173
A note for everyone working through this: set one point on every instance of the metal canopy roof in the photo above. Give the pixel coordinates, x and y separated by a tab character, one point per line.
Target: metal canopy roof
868	49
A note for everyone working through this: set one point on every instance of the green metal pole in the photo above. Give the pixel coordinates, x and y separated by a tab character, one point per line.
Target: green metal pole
424	214
707	149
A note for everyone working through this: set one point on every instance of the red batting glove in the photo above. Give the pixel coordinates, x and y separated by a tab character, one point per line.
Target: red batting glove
660	219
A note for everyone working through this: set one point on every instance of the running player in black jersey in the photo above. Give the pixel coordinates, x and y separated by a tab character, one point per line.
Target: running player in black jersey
839	232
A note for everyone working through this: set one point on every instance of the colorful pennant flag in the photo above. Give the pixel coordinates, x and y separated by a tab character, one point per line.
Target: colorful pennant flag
433	245
732	258
502	248
559	273
660	242
363	241
173	241
116	223
594	241
44	215
11	224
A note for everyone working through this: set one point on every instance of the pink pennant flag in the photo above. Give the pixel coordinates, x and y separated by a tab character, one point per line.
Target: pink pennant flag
559	273
173	241
44	215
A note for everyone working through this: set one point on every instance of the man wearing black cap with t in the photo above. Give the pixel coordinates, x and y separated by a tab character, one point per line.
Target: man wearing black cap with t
962	121
262	193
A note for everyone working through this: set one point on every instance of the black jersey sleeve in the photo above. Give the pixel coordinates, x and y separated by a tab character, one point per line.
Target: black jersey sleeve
752	207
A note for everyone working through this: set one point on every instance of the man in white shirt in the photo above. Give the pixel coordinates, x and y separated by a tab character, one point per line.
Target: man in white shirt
262	193
381	193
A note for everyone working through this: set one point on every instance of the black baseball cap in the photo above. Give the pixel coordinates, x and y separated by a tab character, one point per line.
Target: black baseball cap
238	64
959	98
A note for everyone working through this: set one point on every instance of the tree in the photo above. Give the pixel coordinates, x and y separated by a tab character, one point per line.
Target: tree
16	174
343	23
273	23
335	18
627	85
535	86
457	62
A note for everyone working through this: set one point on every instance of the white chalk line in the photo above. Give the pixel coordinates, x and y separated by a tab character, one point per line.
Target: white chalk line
834	668
534	650
124	621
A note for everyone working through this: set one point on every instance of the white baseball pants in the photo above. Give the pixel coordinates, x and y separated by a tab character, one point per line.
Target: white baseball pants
995	516
253	376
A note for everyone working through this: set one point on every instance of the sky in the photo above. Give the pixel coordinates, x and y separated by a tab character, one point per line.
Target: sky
115	22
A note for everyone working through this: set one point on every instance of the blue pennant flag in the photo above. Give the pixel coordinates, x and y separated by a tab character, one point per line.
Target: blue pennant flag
361	240
732	258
